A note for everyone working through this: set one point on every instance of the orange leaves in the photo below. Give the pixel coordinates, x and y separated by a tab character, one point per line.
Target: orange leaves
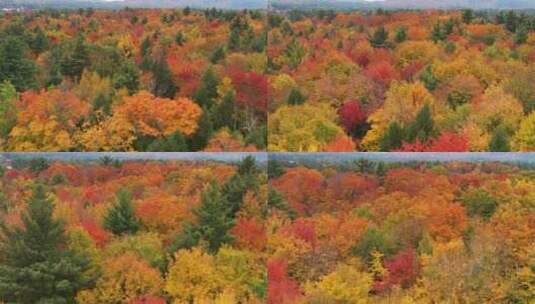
155	116
281	289
47	121
250	233
292	183
163	213
341	143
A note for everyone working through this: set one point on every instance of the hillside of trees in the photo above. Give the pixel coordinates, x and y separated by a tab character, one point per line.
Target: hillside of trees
133	80
426	81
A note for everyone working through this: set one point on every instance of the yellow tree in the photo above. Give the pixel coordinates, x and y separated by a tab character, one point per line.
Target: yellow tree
302	128
193	277
524	139
347	284
155	116
125	278
47	121
495	109
403	101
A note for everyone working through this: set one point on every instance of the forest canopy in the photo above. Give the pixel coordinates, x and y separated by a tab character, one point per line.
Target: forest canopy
382	80
183	231
133	80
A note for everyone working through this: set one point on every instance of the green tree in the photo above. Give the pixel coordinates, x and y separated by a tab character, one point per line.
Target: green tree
373	240
379	37
207	92
77	60
180	39
164	85
128	77
521	35
234	40
500	140
35	267
393	137
39	42
213	222
479	202
468	16
296	97
200	139
8	110
38	165
121	219
172	143
423	127
275	169
224	115
437	33
294	52
14	66
257	136
217	55
401	34
428	78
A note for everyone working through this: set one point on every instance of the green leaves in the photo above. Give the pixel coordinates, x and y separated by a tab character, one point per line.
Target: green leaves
121	218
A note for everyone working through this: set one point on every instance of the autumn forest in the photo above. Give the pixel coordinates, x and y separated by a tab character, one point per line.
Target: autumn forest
184	231
232	152
133	80
228	80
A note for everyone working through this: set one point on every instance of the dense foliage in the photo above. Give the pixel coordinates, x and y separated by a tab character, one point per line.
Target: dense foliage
143	80
401	81
133	232
367	232
211	232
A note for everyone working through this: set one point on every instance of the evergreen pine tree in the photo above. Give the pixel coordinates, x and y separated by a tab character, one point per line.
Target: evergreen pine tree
224	113
180	39
401	34
257	136
437	34
172	143
379	37
234	38
468	16
499	141
121	219
218	55
245	179
35	267
55	76
207	91
128	77
40	42
521	35
276	201
428	78
75	63
214	220
200	139
423	127
275	169
164	85
296	97
14	66
393	137
8	109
